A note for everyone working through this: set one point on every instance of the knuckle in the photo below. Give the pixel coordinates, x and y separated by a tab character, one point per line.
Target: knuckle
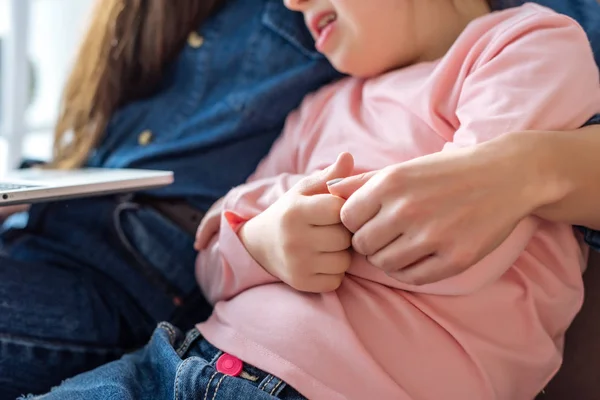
289	215
360	243
332	284
430	237
346	237
417	280
460	259
406	210
335	285
347	219
289	245
295	281
383	262
409	278
334	209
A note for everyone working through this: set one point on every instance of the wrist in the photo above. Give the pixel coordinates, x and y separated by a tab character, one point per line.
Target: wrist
549	170
249	235
529	160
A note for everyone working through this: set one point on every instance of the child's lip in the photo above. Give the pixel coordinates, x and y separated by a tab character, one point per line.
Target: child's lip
315	23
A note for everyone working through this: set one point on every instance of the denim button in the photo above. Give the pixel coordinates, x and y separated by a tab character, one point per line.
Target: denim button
145	138
229	365
195	40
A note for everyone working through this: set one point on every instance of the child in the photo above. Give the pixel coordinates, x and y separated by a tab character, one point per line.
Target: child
290	296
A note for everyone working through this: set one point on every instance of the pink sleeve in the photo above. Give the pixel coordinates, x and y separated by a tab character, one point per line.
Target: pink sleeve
539	75
226	268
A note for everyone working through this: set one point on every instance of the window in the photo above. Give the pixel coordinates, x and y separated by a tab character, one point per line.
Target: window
51	30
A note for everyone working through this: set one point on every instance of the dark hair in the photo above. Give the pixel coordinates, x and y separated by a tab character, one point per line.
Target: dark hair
122	58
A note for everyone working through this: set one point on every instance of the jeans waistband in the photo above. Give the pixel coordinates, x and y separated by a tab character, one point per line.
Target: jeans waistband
193	344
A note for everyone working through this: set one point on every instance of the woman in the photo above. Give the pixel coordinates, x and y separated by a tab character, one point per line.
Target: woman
159	85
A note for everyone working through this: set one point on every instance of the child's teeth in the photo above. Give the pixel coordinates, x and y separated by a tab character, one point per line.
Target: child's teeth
326	21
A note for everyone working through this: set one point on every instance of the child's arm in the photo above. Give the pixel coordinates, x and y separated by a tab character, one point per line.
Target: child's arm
280	226
225	268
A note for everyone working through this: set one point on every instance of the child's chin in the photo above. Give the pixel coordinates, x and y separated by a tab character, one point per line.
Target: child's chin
359	71
354	66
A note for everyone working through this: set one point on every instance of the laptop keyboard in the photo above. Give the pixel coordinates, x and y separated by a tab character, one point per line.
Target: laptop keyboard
13	186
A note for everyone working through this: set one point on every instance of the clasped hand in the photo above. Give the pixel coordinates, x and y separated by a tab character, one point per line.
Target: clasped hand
420	222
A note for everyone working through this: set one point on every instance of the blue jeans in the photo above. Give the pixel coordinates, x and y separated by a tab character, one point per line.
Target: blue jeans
172	366
85	282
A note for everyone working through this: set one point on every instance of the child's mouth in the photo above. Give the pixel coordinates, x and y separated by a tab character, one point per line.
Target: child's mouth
325	21
322	26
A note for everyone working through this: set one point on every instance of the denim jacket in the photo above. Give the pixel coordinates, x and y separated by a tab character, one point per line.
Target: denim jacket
223	102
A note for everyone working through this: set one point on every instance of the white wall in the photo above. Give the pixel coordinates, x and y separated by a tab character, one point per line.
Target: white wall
56	27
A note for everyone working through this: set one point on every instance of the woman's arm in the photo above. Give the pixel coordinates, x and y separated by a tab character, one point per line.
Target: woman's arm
445	212
568	174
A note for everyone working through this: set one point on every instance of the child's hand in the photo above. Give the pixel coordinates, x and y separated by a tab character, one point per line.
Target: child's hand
209	226
300	239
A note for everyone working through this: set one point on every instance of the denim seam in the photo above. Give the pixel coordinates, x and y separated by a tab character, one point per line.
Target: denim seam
217	388
216	357
208	385
178	377
189	339
272	392
266	382
170	332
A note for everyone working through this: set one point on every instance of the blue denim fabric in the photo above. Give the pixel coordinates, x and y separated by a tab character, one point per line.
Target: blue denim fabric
172	366
78	292
88	279
222	105
586	12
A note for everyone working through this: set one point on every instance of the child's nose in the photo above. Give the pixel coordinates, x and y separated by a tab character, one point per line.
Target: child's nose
296	5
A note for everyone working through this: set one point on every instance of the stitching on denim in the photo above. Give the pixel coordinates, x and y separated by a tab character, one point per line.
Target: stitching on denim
265	383
216	357
272	392
170	332
208	385
217	388
190	337
178	376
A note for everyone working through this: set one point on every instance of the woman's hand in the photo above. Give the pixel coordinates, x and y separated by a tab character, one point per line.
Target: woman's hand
300	238
7	211
433	217
209	226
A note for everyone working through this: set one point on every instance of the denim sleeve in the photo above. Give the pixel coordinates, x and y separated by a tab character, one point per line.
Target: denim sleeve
591	236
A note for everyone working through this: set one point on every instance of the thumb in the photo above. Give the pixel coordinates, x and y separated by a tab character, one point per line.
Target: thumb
344	188
317	183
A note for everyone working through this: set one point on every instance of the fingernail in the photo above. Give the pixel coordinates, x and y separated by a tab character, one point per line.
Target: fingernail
334	181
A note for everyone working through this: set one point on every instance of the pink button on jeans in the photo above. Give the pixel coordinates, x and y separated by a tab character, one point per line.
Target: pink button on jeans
229	365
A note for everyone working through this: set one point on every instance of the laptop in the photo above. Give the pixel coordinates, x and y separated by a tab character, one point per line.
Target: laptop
37	185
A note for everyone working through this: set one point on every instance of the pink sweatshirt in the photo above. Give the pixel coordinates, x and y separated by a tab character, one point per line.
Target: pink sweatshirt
493	332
